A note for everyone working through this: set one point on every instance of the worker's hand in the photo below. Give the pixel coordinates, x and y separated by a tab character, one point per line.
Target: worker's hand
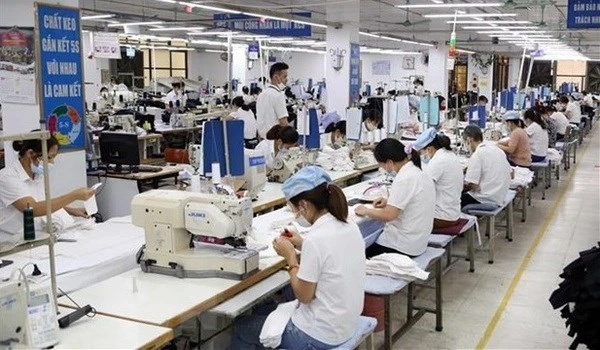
361	210
380	202
83	193
79	212
291	234
284	248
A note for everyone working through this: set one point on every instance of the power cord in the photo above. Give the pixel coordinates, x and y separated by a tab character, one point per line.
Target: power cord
92	312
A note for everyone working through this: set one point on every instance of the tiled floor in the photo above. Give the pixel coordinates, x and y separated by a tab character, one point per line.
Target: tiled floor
527	321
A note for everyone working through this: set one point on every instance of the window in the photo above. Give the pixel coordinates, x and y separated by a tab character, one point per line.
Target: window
571	72
168	64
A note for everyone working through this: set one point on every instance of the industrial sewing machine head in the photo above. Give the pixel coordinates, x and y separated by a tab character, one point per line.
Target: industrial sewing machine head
287	164
194	235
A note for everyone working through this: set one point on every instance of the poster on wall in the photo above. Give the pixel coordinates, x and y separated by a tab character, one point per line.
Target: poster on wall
61	73
381	67
106	45
354	73
583	14
17	65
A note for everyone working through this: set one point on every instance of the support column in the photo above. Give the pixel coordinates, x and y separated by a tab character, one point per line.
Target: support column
69	172
339	40
485	77
436	80
240	66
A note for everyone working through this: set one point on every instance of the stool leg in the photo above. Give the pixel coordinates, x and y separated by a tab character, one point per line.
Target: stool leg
438	296
387	332
449	254
471	249
491	232
509	221
369	342
549	173
524	205
544	185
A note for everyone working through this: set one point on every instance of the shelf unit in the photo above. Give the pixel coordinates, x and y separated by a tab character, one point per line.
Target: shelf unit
49	238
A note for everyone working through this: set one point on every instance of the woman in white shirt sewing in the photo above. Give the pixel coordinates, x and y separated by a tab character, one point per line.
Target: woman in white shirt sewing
538	136
22	186
242	112
337	134
279	138
559	120
328	281
443	166
372	124
408	212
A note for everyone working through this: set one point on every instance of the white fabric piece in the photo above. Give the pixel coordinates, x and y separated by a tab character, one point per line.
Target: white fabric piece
336	160
521	177
473	218
272	329
554	155
397	266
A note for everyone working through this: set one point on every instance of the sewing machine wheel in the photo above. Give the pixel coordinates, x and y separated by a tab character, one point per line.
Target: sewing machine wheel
277	164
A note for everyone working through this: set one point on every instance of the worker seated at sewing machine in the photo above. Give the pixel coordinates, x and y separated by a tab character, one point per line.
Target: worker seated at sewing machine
176	95
194	235
371	128
279	140
337	134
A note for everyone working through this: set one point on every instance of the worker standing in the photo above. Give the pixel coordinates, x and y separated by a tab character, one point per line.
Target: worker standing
270	105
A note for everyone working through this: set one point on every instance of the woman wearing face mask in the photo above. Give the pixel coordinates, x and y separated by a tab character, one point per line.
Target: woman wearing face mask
517	145
408	212
443	166
328	281
538	136
372	123
279	139
337	133
22	185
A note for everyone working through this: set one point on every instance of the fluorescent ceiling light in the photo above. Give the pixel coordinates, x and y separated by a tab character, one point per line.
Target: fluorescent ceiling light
266	16
174	29
309	23
488	22
168	1
497	27
242	36
294	49
96	17
465	51
209	42
442	5
395	39
206	7
210	33
469	15
134	24
215	51
503	32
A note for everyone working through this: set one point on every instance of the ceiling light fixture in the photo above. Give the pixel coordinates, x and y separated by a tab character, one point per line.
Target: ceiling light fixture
497	27
174	29
210	33
134	24
442	5
206	7
96	17
215	51
488	22
504	32
465	51
395	39
469	15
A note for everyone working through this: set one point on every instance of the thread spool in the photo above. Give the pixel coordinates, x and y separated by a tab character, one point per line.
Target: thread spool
216	173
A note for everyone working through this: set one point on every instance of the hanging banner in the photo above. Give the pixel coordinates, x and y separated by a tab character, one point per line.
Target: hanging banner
583	14
354	73
106	45
262	26
253	49
17	66
58	30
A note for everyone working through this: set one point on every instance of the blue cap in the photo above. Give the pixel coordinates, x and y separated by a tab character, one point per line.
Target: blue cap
512	115
304	180
424	139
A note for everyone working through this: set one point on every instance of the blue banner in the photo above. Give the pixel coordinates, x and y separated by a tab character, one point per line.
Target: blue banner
61	74
262	26
583	14
354	73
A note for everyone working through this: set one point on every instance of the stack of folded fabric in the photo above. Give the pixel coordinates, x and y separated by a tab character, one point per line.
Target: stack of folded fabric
272	329
336	160
521	178
397	266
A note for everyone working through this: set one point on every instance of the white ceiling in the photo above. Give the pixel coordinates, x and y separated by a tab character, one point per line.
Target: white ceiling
376	16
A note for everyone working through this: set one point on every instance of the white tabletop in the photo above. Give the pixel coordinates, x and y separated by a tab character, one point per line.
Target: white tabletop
102	332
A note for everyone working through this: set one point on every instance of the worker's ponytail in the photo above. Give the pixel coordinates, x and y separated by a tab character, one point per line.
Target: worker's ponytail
326	196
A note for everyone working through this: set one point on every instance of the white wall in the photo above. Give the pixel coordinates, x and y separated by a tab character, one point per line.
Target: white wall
92	70
303	65
514	64
69	172
485	80
208	65
436	79
396	70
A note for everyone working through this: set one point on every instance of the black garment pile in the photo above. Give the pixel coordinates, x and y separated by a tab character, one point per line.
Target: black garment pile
580	291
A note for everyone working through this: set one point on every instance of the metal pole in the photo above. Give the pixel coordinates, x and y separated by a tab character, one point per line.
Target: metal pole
529	73
154	68
518	85
229	67
260	62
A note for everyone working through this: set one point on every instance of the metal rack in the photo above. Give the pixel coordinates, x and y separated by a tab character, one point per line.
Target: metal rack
49	238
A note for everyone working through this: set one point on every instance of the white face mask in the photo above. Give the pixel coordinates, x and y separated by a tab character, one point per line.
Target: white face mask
370	126
301	220
38	170
281	86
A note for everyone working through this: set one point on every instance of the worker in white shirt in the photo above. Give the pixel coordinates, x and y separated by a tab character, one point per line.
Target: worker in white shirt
115	85
246	95
242	112
278	140
488	174
443	166
371	128
572	109
271	107
177	94
419	89
409	210
328	281
560	121
22	186
337	134
538	136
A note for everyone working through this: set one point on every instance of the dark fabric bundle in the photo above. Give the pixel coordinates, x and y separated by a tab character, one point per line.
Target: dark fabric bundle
580	291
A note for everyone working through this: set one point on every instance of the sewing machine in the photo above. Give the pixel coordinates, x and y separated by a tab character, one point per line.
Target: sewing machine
287	164
255	172
126	122
194	235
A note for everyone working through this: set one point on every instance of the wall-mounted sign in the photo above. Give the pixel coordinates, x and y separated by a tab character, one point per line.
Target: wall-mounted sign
262	26
583	14
106	45
253	51
354	73
17	65
61	73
